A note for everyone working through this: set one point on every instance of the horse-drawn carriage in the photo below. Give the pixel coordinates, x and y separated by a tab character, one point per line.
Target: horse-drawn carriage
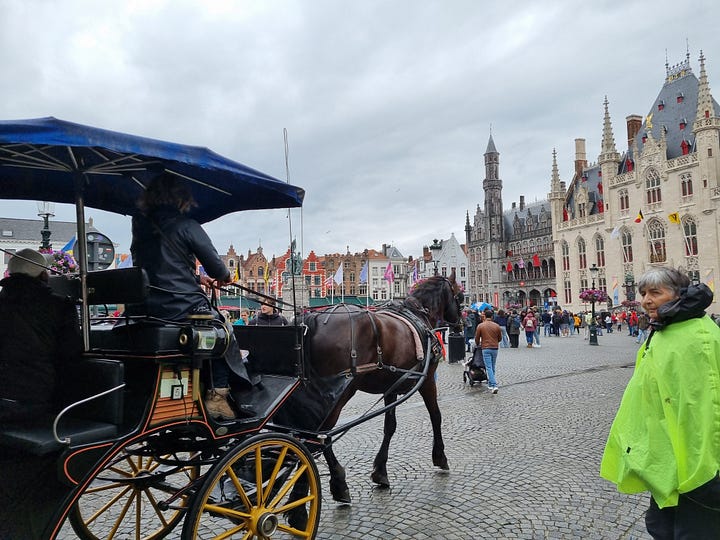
134	453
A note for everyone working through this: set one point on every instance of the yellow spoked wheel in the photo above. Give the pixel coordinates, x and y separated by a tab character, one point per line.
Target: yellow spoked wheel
267	487
136	495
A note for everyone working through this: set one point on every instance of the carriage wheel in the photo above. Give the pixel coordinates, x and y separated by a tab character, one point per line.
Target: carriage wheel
126	498
268	487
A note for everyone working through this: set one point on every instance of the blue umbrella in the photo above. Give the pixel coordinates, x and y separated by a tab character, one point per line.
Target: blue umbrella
480	306
47	159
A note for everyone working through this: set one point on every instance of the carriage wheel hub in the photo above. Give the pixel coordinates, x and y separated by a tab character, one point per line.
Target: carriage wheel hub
267	524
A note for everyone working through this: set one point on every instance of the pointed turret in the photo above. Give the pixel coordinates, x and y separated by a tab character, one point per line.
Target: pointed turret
492	186
705	108
608	152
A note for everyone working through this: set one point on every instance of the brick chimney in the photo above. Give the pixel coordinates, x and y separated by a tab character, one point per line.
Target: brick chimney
580	156
634	123
522	202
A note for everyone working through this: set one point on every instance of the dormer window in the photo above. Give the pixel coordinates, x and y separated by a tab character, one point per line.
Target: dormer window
661	105
683	123
685	147
680	97
707	114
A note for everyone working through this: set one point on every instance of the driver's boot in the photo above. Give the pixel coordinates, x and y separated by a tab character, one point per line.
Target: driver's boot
217	405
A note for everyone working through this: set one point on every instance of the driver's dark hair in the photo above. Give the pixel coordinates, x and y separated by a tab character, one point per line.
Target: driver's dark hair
166	190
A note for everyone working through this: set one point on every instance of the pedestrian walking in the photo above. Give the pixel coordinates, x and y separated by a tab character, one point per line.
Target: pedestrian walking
488	334
502	319
513	328
664	438
643	325
529	323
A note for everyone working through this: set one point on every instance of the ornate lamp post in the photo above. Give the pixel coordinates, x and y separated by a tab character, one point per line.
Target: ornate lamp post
45	211
629	287
593	326
435	248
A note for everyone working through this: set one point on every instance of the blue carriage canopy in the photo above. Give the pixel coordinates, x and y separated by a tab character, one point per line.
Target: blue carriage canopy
53	160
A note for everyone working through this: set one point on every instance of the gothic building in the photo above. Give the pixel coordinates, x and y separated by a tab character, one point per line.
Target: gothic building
510	252
655	202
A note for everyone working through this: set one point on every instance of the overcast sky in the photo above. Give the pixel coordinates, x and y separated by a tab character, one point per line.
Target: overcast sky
388	104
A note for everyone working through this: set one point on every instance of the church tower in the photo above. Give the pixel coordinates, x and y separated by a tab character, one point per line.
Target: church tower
707	131
492	186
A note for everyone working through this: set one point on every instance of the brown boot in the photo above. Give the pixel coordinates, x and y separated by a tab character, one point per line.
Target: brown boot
217	405
529	346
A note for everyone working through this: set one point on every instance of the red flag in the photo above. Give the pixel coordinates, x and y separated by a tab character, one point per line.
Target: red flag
509	266
639	217
536	260
565	214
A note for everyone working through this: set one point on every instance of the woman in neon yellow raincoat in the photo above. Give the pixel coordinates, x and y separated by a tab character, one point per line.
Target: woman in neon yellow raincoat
665	438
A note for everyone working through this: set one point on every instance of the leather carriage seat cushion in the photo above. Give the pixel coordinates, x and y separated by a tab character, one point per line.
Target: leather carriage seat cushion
38	438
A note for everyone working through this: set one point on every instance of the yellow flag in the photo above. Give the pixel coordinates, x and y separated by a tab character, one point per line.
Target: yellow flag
236	276
266	275
674	218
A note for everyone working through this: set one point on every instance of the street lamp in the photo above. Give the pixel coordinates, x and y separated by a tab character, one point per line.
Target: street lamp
45	210
630	287
435	247
593	326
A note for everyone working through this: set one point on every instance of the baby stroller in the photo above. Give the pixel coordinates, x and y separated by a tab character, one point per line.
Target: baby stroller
475	369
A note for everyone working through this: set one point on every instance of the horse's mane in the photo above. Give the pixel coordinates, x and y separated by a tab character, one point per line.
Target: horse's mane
426	294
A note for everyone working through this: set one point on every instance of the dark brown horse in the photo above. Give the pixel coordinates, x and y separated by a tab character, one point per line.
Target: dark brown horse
350	349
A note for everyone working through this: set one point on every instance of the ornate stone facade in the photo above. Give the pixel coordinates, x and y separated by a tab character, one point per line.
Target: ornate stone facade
656	203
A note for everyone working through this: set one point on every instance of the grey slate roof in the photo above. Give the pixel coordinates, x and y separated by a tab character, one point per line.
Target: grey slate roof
28	230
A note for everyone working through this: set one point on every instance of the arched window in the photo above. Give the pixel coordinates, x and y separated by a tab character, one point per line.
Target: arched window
656	241
626	237
600	251
690	234
652	187
624	200
582	254
686	186
565	255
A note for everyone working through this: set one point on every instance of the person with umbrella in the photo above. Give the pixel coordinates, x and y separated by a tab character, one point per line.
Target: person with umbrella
166	243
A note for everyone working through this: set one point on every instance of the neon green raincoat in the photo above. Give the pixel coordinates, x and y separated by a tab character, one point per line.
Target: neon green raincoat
666	435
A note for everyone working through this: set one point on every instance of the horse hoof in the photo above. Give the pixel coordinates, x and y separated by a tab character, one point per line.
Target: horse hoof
442	464
342	498
380	479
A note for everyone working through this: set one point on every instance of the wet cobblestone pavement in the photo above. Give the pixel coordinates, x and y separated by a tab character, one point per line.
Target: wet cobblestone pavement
523	463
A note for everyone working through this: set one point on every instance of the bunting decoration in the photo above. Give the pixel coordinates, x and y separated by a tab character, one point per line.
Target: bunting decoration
639	217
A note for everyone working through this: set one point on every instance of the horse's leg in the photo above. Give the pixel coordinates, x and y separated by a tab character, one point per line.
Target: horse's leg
338	484
428	391
379	474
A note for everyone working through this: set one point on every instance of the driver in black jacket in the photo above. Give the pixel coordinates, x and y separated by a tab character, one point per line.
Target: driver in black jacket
166	243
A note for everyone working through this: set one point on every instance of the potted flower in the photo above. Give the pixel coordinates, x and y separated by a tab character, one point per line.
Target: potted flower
593	295
60	262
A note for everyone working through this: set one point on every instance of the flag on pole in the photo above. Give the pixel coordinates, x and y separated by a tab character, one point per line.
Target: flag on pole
68	248
364	273
710	279
125	263
389	274
415	277
616	290
521	263
236	276
674	218
339	275
328	281
536	260
509	267
615	232
639	217
266	274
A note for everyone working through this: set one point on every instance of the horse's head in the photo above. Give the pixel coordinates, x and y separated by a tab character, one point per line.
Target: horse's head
441	297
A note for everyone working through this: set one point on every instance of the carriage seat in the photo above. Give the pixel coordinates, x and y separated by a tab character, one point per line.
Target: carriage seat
96	420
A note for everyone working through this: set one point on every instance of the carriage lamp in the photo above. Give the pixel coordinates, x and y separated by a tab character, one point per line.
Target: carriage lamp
46	210
203	341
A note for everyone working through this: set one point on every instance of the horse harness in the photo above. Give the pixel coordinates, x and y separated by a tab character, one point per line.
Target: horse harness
419	326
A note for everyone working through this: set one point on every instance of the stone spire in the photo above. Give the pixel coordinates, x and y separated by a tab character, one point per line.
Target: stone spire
608	153
705	108
555	179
